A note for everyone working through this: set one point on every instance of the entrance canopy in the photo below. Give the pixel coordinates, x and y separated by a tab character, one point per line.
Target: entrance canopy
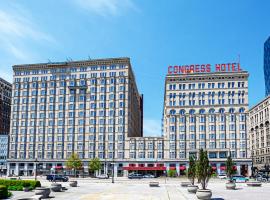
129	168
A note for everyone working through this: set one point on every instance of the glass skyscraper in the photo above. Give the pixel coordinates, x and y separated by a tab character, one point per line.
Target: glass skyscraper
267	66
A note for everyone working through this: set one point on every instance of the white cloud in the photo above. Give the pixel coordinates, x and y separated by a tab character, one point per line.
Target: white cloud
17	30
107	7
151	127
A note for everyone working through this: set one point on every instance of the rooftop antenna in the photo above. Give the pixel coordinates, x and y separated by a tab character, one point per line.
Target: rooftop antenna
49	61
69	59
89	58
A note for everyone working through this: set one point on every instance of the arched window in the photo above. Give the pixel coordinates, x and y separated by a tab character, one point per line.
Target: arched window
221	110
212	111
172	112
231	110
192	112
182	112
241	110
202	111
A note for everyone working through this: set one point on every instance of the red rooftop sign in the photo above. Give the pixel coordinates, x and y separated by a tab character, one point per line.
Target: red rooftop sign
204	68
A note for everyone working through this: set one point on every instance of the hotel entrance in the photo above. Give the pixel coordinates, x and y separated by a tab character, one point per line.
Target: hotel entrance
154	169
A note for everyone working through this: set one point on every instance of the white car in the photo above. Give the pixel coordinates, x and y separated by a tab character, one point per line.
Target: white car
222	176
102	176
148	176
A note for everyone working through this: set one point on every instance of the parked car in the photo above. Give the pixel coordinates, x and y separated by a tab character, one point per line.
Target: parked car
222	176
239	178
102	176
56	177
149	176
135	176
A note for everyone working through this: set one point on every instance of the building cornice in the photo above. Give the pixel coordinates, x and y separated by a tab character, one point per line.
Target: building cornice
81	63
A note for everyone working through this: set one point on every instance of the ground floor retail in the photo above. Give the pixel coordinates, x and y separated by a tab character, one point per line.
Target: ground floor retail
119	168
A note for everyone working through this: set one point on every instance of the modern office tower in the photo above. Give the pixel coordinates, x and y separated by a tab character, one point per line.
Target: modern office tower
259	134
267	66
209	111
87	107
5	101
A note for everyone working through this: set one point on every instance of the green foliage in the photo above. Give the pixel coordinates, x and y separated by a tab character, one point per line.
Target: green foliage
185	172
15	188
74	162
230	171
9	194
192	169
3	192
214	175
94	164
203	169
19	184
172	173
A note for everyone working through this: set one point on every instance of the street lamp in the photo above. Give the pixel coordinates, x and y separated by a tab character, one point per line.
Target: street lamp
36	161
113	169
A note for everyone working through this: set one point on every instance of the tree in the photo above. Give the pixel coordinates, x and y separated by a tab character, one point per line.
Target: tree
203	169
230	168
192	169
94	165
74	162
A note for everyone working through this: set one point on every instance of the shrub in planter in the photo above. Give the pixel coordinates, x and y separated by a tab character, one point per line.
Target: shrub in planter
192	175
3	192
203	173
230	171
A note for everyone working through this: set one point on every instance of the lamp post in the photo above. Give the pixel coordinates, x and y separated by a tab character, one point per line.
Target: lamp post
36	161
113	169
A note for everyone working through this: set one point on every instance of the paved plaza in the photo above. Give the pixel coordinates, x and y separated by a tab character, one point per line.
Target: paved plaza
169	189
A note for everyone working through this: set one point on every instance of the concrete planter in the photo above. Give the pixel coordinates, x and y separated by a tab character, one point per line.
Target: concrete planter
254	184
45	192
56	187
192	188
230	186
73	183
204	194
185	184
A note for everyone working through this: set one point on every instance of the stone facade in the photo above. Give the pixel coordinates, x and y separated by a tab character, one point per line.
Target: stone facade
259	133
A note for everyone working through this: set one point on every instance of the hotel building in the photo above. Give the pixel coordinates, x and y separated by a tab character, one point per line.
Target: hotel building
93	108
208	111
5	101
259	133
88	107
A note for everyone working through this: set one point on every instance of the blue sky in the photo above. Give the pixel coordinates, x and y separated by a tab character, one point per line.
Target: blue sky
154	34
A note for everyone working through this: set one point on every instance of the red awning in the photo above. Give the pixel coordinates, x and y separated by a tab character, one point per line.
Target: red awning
214	168
182	167
145	168
58	167
172	168
222	168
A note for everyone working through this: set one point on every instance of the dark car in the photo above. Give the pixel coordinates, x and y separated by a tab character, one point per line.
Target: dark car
56	177
135	176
